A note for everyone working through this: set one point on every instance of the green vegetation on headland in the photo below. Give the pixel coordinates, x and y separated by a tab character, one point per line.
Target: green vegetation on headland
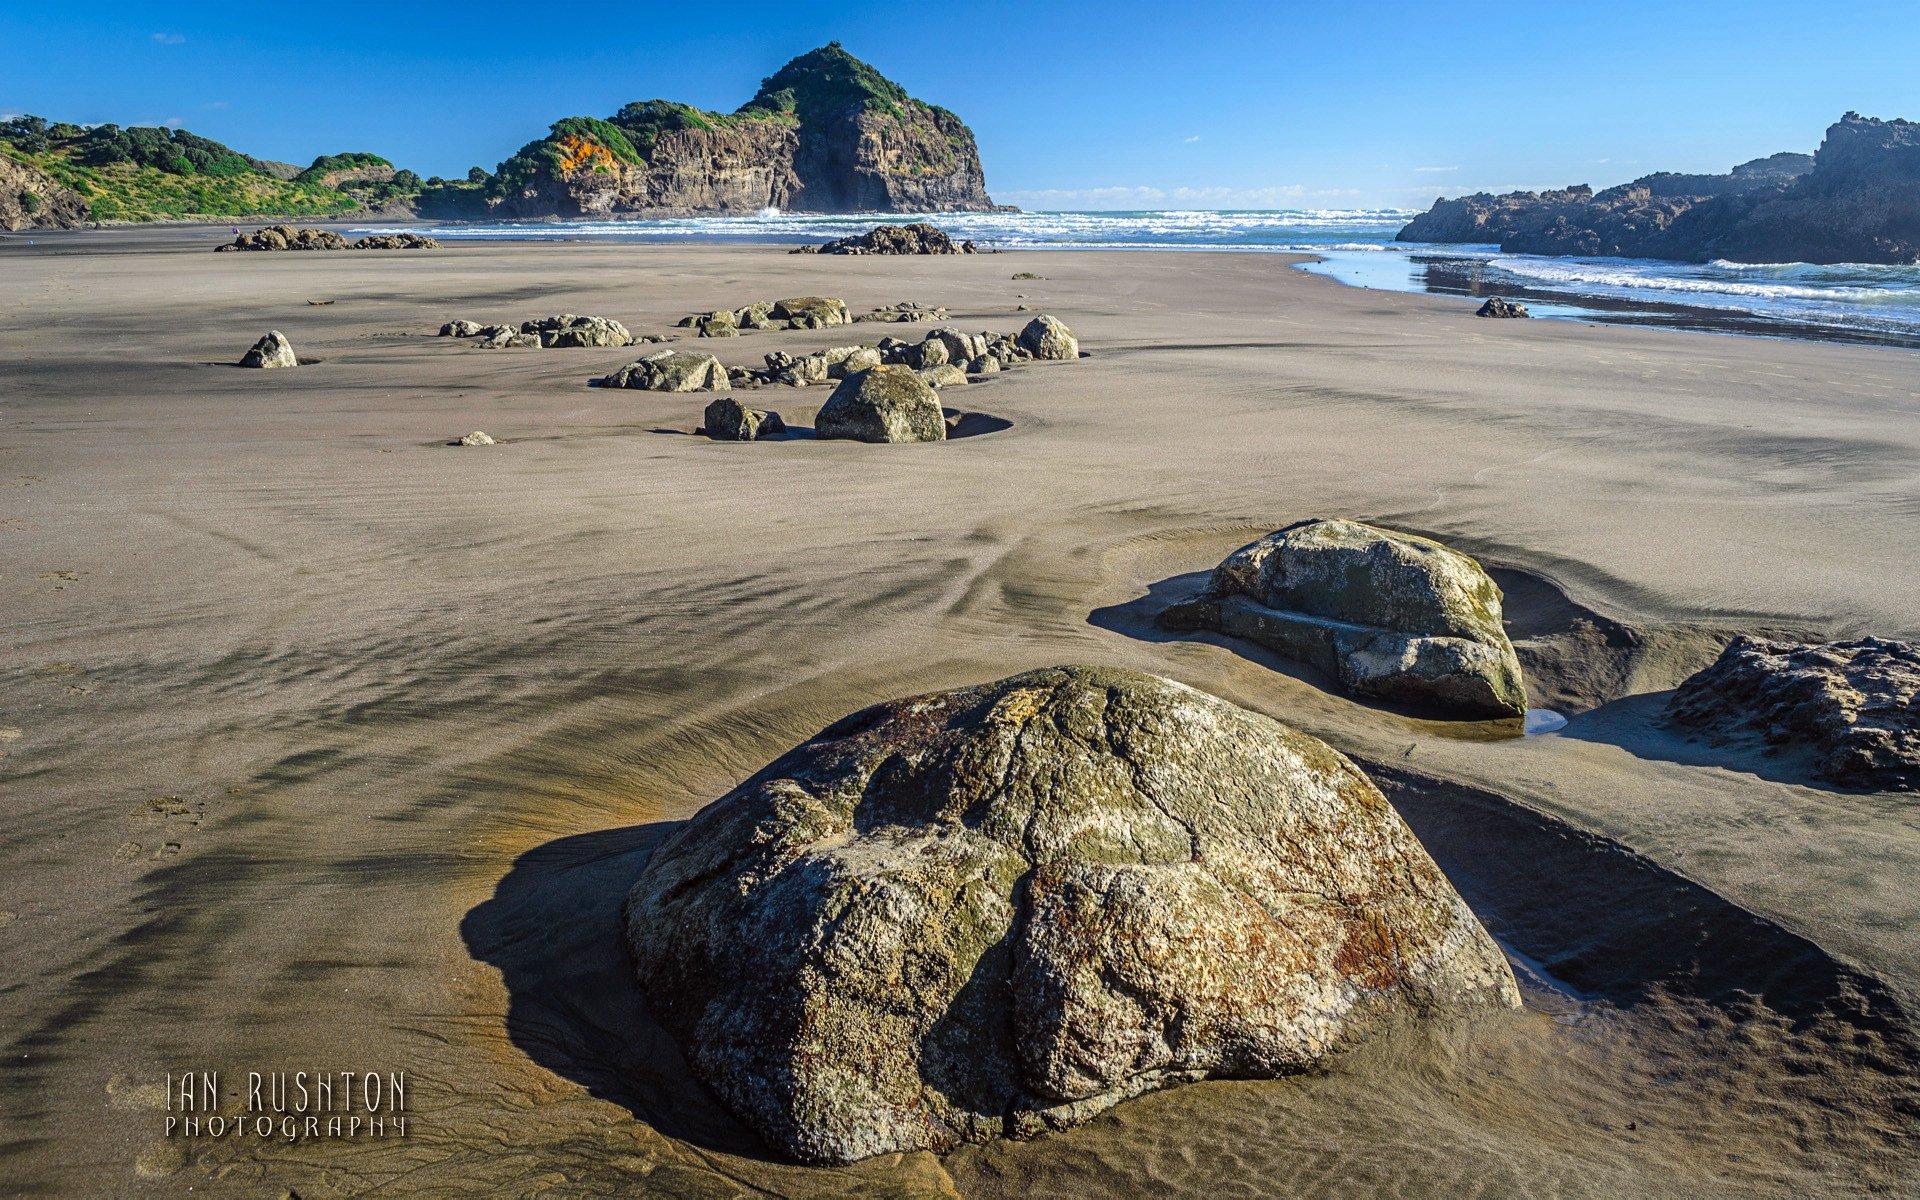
152	174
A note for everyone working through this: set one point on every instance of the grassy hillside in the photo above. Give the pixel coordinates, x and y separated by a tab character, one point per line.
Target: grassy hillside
149	174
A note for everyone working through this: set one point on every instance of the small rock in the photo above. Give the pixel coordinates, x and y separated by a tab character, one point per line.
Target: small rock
273	350
460	329
1047	338
1500	307
727	420
476	438
944	375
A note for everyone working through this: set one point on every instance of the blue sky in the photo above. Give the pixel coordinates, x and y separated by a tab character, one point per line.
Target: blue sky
1114	105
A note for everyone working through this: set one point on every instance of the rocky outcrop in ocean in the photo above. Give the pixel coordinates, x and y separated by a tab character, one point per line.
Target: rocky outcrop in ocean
1003	909
825	133
1857	199
917	238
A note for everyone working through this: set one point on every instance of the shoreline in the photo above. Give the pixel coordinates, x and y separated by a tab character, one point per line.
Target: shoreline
1437	270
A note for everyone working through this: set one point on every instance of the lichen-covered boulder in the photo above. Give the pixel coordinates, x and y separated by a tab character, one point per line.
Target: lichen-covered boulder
273	350
994	910
728	420
944	375
1387	614
863	358
811	312
671	371
478	437
887	403
1853	707
1046	337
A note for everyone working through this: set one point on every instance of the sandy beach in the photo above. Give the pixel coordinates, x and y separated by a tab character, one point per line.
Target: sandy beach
330	746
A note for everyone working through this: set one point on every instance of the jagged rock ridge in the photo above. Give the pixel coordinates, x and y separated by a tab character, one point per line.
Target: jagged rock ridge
825	133
1856	200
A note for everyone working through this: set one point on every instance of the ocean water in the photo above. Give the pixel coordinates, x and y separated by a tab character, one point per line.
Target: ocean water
1850	301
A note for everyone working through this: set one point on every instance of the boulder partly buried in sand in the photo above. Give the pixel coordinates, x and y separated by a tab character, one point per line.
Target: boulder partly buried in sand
1388	615
273	350
1853	707
671	371
1501	307
1004	908
478	437
728	420
1047	337
887	403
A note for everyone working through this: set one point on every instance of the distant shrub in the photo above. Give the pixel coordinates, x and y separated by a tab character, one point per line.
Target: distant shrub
174	151
30	202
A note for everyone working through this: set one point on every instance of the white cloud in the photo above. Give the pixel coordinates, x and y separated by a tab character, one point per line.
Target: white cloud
1434	170
172	123
170	39
1194	138
214	104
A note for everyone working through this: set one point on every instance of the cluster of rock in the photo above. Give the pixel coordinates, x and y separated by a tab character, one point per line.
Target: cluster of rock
917	238
1499	306
1003	909
286	237
942	358
1388	615
1854	706
1856	200
795	312
272	350
559	332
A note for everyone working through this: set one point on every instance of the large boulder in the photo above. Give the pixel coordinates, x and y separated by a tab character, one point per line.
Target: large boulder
1387	614
273	350
887	403
1852	707
728	420
811	312
1046	337
1004	908
671	371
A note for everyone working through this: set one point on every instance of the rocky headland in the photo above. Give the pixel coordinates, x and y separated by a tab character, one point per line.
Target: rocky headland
825	133
1857	199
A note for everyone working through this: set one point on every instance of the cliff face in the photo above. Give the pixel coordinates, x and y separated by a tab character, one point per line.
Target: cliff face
1856	200
826	133
32	199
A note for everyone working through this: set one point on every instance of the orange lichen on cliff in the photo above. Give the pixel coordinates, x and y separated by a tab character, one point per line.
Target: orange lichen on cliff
579	154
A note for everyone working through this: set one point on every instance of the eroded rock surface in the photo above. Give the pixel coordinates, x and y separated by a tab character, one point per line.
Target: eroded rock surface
1004	908
1853	706
1387	614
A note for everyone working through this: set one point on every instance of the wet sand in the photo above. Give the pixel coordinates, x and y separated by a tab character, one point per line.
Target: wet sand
337	747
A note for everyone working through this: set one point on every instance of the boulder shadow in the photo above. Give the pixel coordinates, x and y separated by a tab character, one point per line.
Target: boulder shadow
1637	724
553	929
1606	923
